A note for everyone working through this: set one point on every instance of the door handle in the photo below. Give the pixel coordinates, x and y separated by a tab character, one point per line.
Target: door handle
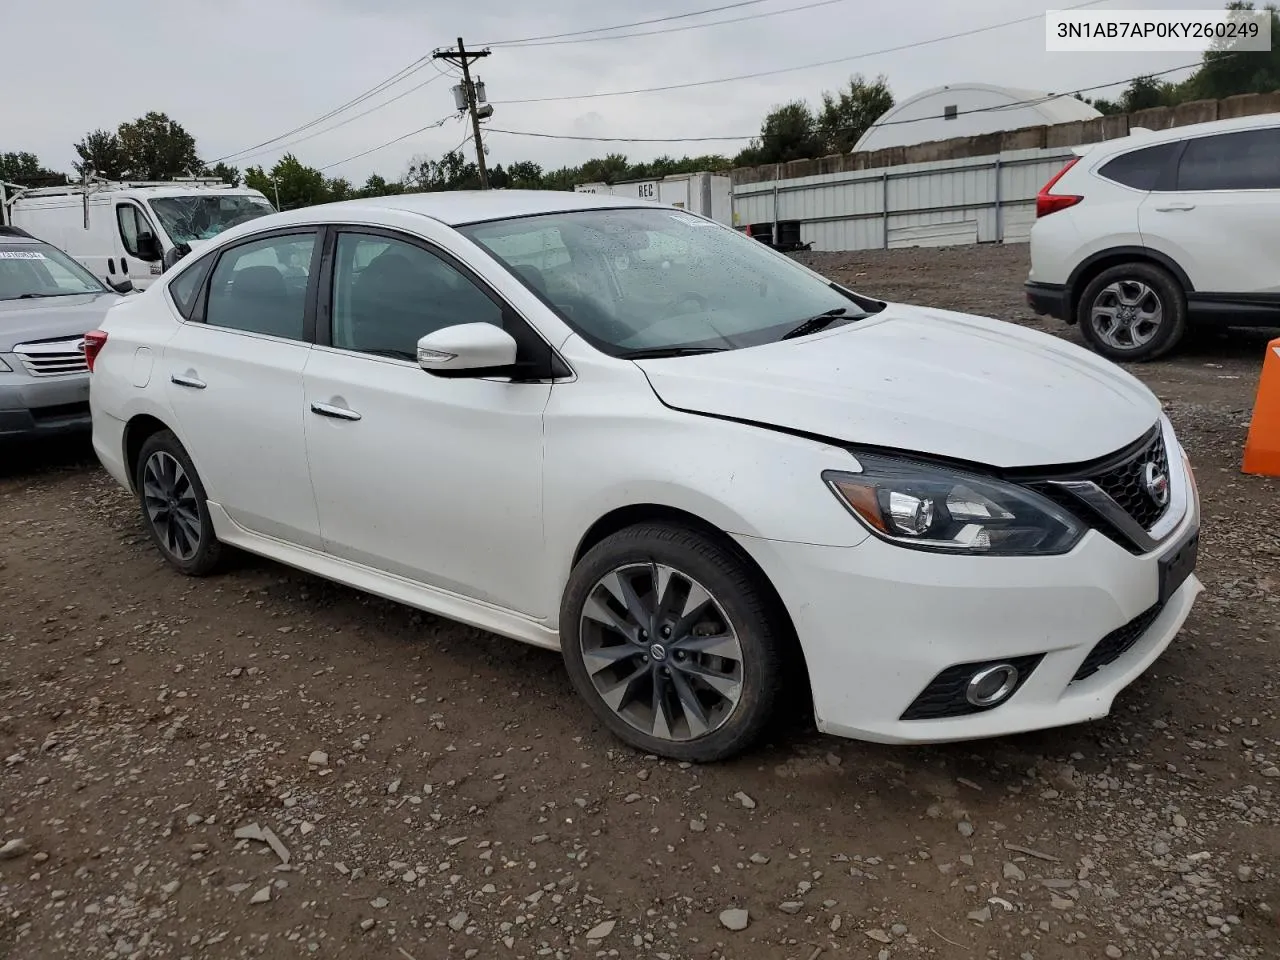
1176	208
338	413
185	381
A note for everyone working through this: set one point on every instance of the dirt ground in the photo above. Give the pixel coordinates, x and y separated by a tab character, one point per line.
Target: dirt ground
438	792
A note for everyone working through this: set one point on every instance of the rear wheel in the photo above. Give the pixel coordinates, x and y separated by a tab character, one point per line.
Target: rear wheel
670	638
173	506
1132	312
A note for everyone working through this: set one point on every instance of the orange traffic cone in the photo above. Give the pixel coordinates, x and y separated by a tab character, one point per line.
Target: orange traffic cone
1262	448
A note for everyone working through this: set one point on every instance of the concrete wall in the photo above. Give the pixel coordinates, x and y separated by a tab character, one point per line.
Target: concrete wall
1027	138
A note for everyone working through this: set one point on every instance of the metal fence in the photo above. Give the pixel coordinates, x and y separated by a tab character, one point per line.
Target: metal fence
973	200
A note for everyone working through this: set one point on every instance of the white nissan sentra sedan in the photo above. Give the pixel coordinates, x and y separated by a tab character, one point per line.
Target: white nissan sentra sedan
706	474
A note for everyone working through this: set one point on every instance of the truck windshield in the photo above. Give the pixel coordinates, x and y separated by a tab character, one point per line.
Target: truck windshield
202	216
35	270
640	282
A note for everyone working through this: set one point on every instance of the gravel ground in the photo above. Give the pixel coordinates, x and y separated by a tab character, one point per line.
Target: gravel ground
264	764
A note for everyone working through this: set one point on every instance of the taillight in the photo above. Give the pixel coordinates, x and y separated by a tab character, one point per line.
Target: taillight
1048	202
94	341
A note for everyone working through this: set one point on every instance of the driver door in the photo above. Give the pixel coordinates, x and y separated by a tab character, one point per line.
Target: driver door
136	259
436	480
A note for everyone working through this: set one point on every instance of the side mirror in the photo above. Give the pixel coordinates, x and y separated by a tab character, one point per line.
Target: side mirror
468	350
175	254
149	247
122	286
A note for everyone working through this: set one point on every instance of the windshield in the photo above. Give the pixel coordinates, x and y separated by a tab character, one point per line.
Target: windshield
202	216
656	279
39	270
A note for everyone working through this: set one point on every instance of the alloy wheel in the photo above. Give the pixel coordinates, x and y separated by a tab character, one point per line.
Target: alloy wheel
170	501
1126	314
661	652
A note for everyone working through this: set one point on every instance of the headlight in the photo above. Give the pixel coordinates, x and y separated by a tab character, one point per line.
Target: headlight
933	508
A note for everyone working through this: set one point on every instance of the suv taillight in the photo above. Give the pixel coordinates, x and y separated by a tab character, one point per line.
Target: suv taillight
1048	202
94	341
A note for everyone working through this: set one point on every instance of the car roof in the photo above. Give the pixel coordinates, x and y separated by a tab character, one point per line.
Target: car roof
1142	137
458	207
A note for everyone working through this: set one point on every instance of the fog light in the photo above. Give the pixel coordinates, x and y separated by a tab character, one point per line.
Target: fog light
992	685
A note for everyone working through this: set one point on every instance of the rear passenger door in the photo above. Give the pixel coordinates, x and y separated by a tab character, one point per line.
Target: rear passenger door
234	372
1219	218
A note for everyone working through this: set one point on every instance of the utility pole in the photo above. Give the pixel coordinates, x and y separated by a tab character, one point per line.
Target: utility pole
463	59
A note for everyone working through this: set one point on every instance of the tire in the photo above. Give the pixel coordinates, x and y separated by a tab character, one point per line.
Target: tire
733	677
1144	288
189	544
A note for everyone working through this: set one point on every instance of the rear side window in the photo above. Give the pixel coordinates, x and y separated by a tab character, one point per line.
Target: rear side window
185	288
1141	169
1248	160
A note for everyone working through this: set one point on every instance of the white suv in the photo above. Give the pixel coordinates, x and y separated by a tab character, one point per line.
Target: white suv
1139	236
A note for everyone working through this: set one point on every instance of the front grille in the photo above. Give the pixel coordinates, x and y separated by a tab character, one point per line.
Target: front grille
1125	483
1117	643
53	358
944	696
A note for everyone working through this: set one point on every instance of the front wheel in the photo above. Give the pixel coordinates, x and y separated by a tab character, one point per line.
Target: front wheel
1132	312
673	642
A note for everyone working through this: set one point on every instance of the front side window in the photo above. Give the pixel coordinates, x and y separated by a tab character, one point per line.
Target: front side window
642	280
32	271
1248	160
133	223
203	216
388	294
261	286
1141	169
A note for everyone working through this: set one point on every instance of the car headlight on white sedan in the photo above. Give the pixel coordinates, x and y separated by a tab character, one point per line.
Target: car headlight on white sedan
934	508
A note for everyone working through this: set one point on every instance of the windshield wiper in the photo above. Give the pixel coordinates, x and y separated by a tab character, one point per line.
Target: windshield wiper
657	353
34	296
814	324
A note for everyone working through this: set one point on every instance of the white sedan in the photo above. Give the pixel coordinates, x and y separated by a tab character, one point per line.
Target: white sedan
705	473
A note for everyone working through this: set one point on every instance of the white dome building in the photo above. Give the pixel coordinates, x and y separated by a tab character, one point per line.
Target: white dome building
968	110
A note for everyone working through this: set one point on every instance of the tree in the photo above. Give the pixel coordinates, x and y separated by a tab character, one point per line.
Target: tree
376	186
101	153
1143	93
1225	72
339	189
294	183
789	132
524	175
25	170
847	114
224	172
157	148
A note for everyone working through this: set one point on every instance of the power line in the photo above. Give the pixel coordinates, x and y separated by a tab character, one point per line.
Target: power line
623	26
679	29
887	123
372	91
805	66
341	123
412	133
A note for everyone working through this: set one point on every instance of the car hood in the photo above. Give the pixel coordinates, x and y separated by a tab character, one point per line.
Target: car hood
23	321
924	381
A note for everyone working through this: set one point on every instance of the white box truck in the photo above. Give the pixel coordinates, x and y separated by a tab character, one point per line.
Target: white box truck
707	194
130	231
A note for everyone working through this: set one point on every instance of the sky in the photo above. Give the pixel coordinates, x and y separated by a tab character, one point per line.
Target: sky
237	73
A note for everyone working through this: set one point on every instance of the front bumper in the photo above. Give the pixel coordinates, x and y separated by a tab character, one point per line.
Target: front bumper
38	406
878	623
1048	299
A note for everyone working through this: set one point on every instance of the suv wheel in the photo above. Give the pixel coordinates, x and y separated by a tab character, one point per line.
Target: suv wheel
671	640
173	506
1132	312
